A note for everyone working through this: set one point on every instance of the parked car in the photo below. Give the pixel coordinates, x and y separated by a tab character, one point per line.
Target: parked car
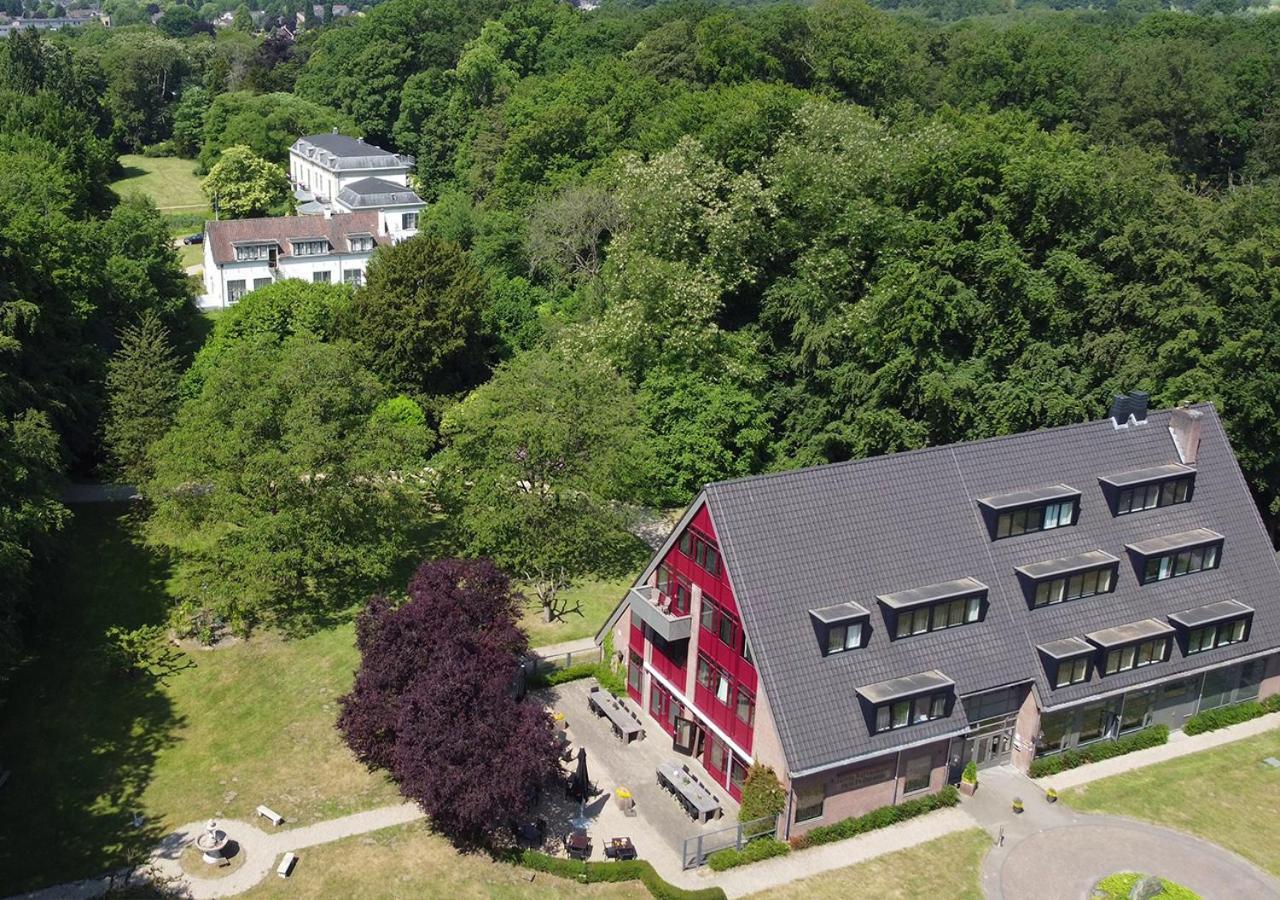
197	238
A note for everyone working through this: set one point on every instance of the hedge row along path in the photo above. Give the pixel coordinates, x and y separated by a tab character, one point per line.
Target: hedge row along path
1046	845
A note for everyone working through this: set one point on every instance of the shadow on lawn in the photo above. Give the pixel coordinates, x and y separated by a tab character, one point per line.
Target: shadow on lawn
82	743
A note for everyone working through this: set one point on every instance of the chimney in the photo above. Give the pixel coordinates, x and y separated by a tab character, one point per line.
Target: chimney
1184	426
1132	405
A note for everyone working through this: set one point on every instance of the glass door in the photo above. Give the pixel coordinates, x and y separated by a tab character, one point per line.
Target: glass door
685	738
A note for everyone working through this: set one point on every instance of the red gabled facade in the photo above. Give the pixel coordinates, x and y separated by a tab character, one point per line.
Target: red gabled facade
701	690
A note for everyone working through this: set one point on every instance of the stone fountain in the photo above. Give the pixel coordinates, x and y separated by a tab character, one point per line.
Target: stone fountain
211	843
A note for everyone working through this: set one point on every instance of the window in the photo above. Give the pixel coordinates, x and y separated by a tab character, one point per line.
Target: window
635	671
260	283
1135	656
1074	586
678	590
746	709
947	614
720	623
718	754
911	711
1041	517
235	289
1072	671
1137	710
353	276
844	636
1181	562
701	551
1149	496
715	680
360	243
253	251
809	802
737	772
1218	635
310	248
323	277
408	221
917	773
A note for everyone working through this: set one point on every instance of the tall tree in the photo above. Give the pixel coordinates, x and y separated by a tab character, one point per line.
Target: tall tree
243	185
433	701
142	396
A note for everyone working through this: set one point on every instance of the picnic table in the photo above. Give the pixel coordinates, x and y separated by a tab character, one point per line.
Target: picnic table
620	849
578	844
699	801
625	725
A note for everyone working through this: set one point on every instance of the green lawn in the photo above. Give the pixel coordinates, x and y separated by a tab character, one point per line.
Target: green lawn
171	183
589	602
410	861
946	868
191	255
243	725
1225	795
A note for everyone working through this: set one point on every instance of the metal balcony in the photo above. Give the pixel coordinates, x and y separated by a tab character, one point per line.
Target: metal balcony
653	608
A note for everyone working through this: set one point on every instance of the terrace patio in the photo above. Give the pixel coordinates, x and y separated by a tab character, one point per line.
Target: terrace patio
658	825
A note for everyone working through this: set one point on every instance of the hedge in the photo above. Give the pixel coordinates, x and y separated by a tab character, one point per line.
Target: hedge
611	681
1213	719
625	870
1070	759
754	851
877	818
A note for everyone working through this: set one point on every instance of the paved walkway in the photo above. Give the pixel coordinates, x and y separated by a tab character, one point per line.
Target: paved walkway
586	645
1179	744
1052	852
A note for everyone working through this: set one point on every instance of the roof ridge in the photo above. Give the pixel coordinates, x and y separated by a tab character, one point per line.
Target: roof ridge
898	454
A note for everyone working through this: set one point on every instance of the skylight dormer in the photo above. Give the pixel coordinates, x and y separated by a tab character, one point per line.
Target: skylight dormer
844	626
1175	555
909	700
1054	581
935	607
1029	511
1138	490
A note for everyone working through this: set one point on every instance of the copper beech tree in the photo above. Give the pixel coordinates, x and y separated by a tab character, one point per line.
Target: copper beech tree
433	703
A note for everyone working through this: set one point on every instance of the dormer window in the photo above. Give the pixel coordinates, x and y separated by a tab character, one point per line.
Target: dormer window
936	606
360	243
1216	625
1068	661
1026	512
310	248
1069	578
248	252
842	627
1132	646
1142	489
911	700
1176	555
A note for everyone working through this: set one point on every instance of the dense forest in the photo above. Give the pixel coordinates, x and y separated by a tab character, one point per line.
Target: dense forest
666	244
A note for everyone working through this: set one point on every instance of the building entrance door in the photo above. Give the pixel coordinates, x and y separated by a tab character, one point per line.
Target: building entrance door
1176	702
990	749
685	740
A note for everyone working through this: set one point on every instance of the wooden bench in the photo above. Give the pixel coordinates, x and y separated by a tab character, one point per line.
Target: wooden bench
274	817
286	865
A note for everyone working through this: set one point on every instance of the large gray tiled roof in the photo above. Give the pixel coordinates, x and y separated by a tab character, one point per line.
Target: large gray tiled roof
342	153
376	192
807	539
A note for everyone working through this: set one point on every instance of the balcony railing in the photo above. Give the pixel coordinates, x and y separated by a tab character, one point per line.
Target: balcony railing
656	610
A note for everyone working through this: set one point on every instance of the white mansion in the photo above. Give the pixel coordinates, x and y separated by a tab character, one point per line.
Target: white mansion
352	197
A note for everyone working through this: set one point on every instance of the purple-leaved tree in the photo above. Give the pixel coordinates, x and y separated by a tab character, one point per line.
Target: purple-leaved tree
433	703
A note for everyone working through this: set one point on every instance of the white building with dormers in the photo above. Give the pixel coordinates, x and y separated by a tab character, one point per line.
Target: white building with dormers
352	198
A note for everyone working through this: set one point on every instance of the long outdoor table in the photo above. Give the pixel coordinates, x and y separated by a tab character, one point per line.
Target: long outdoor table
700	800
623	722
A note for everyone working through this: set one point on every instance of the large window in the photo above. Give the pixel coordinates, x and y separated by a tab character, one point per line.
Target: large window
701	551
1137	710
408	221
1182	562
746	707
678	589
1072	671
1149	496
260	283
911	711
323	277
844	636
1135	656
809	802
353	276
714	679
1218	635
938	616
310	248
917	772
235	289
720	623
1075	586
1041	517
360	243
252	252
635	671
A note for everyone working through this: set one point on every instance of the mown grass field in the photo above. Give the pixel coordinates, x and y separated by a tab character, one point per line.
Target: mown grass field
588	602
1226	795
171	183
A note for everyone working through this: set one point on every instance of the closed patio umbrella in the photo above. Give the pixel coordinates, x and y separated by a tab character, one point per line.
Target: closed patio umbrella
582	785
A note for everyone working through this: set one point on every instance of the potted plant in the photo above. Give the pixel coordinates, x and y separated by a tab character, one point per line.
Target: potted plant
969	780
1017	804
1051	795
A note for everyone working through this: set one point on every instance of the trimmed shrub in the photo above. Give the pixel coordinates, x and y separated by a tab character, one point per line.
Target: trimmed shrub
612	872
877	818
613	682
762	795
1070	759
970	775
761	848
1213	719
1120	886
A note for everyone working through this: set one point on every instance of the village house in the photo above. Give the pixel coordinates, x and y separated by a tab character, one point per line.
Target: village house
867	628
352	198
